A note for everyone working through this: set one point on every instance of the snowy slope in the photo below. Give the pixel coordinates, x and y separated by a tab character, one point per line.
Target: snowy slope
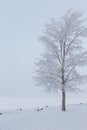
50	118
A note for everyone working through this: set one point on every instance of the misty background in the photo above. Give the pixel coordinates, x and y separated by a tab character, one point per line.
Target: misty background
21	22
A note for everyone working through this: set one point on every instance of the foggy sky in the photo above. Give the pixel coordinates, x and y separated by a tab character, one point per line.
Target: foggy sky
21	22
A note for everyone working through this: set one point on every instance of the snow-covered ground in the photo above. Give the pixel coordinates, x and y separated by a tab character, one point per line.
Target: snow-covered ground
51	117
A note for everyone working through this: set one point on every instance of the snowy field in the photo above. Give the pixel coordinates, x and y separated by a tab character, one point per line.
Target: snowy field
41	114
50	118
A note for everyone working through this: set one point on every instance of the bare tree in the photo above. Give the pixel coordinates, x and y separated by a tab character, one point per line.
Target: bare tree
64	52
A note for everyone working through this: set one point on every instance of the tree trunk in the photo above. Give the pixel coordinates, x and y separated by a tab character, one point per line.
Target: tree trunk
63	100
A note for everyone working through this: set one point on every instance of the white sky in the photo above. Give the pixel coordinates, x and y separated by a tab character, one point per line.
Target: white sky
21	21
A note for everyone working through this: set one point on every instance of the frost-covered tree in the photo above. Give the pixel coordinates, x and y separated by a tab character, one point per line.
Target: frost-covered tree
64	53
